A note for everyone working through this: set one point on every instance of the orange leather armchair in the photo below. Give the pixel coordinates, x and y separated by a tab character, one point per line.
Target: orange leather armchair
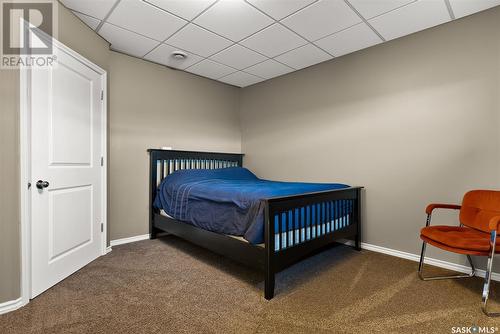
476	235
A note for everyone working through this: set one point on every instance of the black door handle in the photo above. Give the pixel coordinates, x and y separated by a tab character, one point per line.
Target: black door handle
42	184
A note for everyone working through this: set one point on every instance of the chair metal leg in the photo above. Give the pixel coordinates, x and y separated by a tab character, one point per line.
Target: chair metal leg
433	278
487	277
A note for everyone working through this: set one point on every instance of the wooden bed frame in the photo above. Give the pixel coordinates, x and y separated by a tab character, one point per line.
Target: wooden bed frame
318	208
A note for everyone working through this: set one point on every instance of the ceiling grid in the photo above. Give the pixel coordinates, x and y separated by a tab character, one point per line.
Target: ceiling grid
243	42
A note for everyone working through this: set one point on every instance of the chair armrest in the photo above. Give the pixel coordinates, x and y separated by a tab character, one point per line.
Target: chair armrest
494	222
433	206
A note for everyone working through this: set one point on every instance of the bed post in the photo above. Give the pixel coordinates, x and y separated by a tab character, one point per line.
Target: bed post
152	192
269	263
357	212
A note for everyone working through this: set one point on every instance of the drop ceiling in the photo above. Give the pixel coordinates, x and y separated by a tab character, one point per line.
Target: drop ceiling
243	42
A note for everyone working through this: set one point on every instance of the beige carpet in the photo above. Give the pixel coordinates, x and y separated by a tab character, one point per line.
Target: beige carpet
170	286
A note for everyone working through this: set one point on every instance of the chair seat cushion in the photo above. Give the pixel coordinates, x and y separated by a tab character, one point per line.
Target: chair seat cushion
463	238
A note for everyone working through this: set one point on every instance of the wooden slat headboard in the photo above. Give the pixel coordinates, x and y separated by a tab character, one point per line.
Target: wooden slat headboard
165	162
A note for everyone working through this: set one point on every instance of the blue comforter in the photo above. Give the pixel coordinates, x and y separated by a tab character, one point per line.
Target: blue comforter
228	201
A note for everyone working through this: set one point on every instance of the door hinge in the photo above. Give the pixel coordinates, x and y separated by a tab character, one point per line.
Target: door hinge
102	227
102	161
102	95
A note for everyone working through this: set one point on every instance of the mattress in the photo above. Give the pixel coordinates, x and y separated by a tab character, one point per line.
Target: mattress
232	200
305	233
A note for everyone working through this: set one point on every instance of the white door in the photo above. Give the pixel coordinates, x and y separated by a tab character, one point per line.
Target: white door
66	174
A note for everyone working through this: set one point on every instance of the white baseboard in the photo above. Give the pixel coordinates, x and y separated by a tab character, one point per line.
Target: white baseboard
132	239
108	249
370	247
129	240
11	305
433	262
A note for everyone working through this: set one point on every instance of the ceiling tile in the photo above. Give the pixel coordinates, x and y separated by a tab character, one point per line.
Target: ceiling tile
185	9
304	56
322	18
238	57
95	8
163	55
241	79
463	8
349	40
234	19
145	19
331	27
269	69
371	8
88	20
274	40
126	41
210	69
280	8
198	40
411	18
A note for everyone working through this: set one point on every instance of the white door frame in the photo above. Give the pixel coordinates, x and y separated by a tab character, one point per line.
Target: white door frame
25	165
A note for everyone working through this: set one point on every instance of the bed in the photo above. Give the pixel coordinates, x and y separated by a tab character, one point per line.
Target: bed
210	200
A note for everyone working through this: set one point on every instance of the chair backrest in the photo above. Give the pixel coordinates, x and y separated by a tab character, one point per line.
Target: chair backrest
478	207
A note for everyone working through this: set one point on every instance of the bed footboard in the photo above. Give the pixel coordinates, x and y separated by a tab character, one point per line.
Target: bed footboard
299	225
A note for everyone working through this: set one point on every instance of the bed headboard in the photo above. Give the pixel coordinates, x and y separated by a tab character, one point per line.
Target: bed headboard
165	162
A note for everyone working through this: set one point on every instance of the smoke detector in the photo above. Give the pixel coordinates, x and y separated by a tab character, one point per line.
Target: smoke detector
179	55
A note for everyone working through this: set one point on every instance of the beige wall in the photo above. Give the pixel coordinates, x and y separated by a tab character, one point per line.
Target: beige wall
149	106
153	106
9	195
79	37
415	121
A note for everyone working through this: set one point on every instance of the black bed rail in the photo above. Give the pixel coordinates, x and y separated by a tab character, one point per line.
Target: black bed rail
306	223
304	217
